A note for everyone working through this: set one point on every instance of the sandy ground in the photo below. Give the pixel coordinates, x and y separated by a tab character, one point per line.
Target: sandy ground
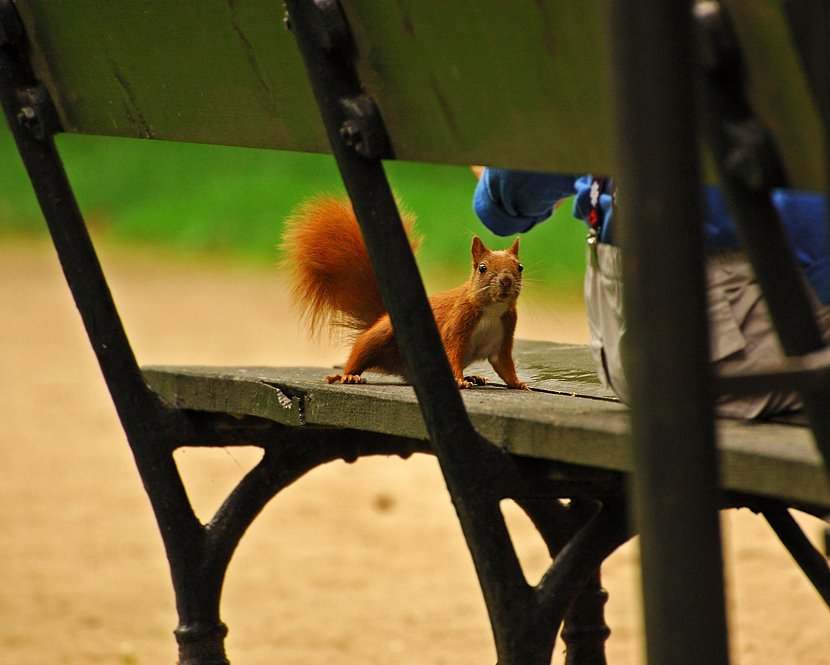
358	563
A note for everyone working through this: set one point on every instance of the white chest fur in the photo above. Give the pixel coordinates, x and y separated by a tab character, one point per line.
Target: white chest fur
487	335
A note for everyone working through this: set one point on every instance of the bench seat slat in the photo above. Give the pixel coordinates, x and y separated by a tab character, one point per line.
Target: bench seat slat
571	420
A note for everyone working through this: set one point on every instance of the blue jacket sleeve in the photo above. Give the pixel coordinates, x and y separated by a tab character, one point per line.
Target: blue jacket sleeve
510	202
804	216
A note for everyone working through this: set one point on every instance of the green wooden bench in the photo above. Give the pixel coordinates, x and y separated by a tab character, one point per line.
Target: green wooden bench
570	418
572	86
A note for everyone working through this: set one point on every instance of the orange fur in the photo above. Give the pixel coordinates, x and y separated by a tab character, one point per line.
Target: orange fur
333	283
331	278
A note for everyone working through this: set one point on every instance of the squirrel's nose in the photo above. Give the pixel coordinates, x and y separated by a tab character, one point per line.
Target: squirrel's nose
506	281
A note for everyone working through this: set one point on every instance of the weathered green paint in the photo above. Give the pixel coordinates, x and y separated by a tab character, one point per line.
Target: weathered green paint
521	83
449	91
238	392
229	73
208	71
569	420
571	371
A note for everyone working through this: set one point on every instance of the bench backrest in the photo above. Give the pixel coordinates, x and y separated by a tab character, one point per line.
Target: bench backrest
522	84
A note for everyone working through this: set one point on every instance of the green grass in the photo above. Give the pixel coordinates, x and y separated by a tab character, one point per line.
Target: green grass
232	201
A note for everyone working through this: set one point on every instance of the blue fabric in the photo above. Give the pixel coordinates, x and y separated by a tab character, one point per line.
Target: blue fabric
582	205
510	202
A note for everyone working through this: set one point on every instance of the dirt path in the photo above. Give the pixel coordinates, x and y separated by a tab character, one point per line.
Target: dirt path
355	564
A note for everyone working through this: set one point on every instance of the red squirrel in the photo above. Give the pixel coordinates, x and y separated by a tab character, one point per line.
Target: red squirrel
333	284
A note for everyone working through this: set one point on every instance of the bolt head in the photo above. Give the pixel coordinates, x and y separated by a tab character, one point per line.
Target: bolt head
350	133
26	115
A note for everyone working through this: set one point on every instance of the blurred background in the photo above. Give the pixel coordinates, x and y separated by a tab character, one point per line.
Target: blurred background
199	199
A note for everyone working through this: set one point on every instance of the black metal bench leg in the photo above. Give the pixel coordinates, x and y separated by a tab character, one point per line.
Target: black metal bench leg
562	528
470	465
150	425
585	631
198	563
202	644
811	561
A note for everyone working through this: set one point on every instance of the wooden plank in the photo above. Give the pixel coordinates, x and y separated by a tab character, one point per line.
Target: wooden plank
522	84
238	392
229	73
566	369
554	422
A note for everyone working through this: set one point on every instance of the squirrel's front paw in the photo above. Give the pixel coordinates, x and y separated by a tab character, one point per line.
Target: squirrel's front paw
476	380
464	383
521	385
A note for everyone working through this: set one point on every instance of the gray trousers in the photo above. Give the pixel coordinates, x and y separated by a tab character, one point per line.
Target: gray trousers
741	335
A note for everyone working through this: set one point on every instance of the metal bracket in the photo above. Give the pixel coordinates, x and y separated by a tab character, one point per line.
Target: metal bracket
359	122
37	112
34	110
362	128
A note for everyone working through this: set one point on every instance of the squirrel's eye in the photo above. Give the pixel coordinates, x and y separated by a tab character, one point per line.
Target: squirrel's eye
482	268
521	267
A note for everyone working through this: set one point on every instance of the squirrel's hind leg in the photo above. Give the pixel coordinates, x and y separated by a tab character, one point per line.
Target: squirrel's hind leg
360	359
345	378
375	349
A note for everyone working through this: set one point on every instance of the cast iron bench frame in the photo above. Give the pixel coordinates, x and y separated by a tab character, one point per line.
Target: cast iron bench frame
667	444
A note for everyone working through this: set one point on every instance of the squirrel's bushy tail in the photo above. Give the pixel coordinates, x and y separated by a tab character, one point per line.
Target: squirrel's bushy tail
332	282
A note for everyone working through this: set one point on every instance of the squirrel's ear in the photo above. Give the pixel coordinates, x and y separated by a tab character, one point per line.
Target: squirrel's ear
478	250
514	248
